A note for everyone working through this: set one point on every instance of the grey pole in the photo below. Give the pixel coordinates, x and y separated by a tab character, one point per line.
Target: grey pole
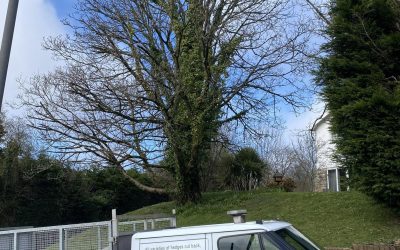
8	33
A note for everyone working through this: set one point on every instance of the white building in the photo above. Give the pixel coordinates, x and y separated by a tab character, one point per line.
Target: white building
328	175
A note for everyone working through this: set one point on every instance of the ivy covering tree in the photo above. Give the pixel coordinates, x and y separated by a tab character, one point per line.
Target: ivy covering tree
360	83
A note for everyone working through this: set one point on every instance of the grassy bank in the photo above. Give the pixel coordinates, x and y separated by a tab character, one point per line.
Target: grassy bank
331	219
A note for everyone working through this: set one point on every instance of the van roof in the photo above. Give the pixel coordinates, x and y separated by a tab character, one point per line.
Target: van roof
214	228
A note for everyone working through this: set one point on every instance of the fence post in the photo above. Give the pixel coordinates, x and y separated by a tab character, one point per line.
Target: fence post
110	238
61	239
173	222
98	238
173	218
114	224
15	247
65	240
145	225
153	224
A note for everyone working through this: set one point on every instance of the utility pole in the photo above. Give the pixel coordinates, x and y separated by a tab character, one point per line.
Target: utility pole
8	33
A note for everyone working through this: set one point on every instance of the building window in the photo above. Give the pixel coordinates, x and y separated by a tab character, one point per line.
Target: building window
333	180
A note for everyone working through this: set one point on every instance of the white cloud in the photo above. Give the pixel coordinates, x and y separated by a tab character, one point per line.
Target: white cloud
296	123
36	19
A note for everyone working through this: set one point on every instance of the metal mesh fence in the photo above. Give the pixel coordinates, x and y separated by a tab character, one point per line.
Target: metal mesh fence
146	224
39	240
89	236
164	223
95	236
86	238
7	242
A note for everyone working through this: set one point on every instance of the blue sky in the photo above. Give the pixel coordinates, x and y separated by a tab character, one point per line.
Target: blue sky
294	122
63	7
38	19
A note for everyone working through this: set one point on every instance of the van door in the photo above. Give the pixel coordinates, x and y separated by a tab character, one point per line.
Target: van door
209	241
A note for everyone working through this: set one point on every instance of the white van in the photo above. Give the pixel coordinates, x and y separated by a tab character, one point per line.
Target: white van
258	235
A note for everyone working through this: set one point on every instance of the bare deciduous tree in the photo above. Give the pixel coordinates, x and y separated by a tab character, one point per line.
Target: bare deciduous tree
275	152
291	159
305	153
151	81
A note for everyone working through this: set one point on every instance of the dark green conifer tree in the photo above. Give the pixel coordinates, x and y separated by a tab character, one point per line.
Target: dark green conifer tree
360	82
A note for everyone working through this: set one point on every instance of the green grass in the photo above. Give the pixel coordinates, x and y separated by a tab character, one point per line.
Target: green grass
330	219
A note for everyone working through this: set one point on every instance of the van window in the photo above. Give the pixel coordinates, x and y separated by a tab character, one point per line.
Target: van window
295	239
240	242
268	243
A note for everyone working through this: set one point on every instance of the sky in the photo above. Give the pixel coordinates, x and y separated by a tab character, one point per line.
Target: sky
62	7
37	19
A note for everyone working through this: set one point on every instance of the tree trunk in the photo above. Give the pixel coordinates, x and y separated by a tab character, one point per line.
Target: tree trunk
188	188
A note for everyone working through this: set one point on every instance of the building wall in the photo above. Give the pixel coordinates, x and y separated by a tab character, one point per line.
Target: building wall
325	147
320	184
325	151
